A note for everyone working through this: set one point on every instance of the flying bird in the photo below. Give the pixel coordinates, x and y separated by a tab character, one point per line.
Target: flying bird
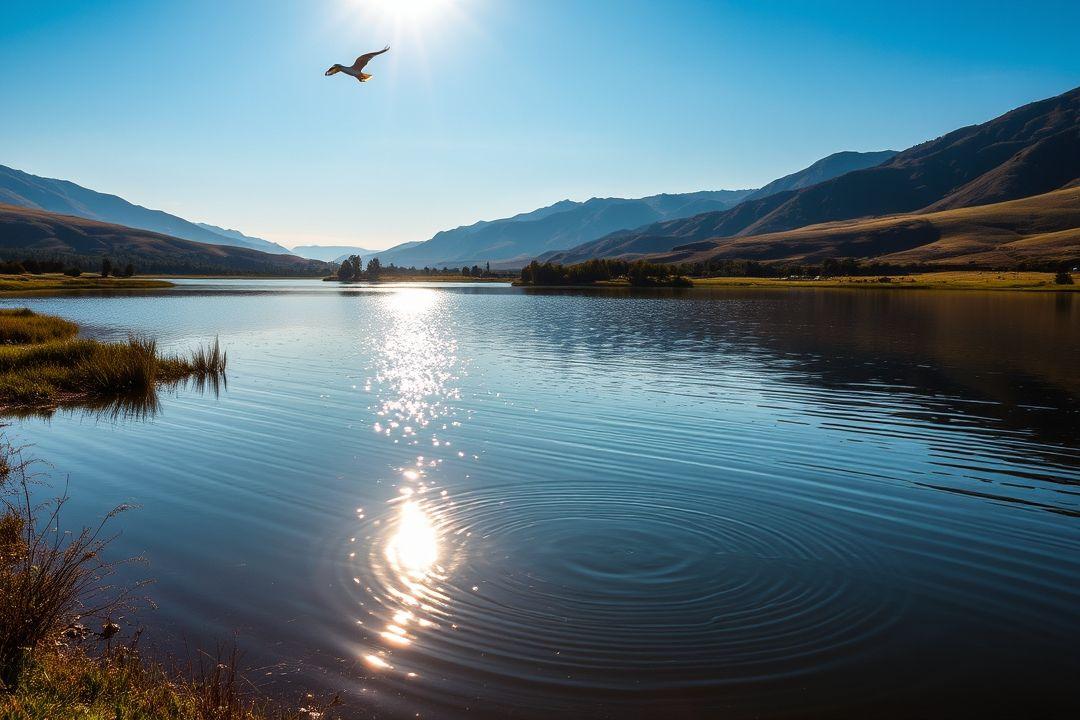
356	69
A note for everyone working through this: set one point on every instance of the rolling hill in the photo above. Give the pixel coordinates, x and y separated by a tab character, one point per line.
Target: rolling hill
1028	151
1043	228
26	232
67	198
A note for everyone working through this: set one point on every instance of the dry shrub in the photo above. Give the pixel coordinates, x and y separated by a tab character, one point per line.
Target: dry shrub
48	578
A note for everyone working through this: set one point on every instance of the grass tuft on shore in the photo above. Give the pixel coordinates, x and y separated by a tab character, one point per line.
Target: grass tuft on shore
121	684
44	364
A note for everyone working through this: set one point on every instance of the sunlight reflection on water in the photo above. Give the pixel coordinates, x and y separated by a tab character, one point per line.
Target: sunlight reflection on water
415	367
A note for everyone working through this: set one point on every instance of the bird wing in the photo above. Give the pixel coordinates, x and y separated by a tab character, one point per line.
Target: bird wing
364	59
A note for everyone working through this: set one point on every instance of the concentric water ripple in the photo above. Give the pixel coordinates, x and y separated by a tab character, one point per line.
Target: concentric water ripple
632	590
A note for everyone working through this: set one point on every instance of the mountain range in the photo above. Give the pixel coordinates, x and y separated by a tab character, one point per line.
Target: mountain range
513	241
1029	151
27	232
66	198
953	199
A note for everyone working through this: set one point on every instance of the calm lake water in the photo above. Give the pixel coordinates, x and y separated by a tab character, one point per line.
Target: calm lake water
481	501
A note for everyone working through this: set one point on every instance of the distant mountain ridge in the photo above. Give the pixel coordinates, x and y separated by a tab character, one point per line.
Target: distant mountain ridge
28	232
1028	151
61	196
248	241
514	240
326	253
664	235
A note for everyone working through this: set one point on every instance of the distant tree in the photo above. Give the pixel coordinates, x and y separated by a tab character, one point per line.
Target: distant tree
357	263
487	268
374	269
73	271
106	267
1063	278
129	270
345	272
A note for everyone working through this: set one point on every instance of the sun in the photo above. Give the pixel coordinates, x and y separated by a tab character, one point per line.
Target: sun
404	10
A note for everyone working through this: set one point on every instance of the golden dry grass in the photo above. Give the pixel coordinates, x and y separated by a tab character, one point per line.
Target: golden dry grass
945	280
1044	228
15	285
119	684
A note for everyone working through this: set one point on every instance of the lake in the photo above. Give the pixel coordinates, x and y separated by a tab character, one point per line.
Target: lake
484	501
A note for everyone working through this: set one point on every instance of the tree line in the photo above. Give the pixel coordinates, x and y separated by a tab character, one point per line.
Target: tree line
35	266
638	273
352	269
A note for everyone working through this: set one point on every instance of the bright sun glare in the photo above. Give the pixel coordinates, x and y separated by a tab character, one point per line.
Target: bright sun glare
403	10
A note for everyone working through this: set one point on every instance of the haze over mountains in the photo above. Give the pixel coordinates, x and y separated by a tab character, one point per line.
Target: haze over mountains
1032	150
67	198
326	253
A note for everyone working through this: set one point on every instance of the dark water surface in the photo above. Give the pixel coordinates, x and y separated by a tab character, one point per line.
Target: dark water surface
482	501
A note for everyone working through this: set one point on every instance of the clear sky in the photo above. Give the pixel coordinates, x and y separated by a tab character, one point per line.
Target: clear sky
217	110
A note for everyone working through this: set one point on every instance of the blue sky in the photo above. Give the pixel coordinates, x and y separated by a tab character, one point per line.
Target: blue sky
218	110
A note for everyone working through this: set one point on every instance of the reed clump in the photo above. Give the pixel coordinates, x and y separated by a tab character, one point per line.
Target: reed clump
43	363
47	578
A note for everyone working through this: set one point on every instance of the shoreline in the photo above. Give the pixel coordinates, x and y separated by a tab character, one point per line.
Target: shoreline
960	280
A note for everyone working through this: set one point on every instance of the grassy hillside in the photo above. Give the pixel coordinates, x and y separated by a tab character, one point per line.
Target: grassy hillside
36	233
1044	229
1031	150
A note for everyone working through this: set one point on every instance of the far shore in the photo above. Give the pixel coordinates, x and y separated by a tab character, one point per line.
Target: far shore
54	283
16	285
945	280
426	278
